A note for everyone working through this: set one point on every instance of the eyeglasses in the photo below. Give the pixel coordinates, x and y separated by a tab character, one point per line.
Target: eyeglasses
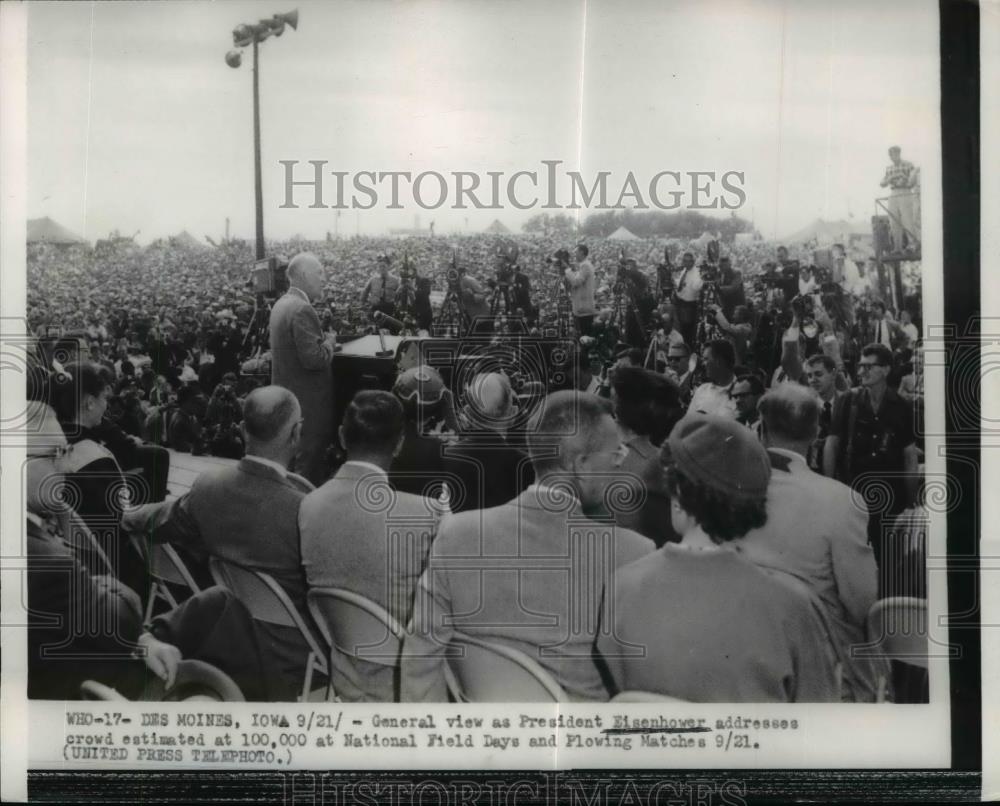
55	452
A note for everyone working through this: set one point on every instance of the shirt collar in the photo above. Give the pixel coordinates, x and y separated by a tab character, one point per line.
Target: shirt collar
367	466
283	471
299	292
795	457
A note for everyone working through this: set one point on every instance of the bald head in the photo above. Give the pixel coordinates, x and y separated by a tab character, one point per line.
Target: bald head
306	273
490	395
269	413
790	415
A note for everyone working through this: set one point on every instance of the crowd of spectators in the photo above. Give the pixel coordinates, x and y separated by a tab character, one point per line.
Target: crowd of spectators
708	457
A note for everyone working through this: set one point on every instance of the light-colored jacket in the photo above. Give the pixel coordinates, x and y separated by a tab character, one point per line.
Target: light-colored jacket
817	532
528	574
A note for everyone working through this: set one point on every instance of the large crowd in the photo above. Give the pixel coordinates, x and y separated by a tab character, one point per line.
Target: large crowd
747	461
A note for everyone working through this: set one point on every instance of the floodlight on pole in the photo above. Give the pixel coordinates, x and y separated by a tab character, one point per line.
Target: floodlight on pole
245	35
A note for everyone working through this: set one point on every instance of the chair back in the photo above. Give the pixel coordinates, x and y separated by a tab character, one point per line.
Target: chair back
165	564
267	601
356	626
484	671
897	629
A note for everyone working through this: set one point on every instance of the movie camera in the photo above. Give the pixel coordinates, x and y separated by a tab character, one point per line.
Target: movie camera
269	277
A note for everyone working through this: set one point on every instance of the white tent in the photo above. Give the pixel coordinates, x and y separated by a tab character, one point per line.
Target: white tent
497	228
825	233
45	230
622	234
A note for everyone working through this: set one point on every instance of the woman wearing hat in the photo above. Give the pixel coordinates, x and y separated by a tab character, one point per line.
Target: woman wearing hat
721	629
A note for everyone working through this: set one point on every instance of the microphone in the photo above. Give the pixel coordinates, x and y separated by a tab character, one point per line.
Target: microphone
386	321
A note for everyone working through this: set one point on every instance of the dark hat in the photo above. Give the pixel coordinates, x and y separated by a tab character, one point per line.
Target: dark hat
719	453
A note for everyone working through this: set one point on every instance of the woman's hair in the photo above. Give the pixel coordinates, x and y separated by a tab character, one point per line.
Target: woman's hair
646	402
720	516
79	378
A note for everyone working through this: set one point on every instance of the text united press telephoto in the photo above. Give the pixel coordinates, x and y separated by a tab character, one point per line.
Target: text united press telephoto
456	386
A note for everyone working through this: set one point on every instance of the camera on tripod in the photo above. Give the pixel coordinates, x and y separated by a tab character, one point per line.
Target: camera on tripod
269	276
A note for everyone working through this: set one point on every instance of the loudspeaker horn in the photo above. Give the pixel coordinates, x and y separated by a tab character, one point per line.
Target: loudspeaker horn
289	18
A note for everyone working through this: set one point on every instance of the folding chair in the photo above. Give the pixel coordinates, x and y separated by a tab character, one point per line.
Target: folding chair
897	630
195	681
267	601
491	672
166	568
87	547
355	626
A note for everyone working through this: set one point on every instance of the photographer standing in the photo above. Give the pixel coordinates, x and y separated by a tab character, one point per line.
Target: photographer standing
687	294
730	286
475	301
381	290
581	286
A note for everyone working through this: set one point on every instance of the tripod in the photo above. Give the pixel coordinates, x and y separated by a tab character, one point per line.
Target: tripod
451	319
500	294
258	335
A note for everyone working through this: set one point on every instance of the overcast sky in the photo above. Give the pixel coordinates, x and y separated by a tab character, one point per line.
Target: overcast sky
136	123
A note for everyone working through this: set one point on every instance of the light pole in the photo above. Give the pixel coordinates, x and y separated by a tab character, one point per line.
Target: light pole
244	35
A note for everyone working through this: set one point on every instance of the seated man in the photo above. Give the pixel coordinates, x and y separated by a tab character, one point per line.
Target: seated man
524	574
489	468
246	515
349	541
81	626
816	532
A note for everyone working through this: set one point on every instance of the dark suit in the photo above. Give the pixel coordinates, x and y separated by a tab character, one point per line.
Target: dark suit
248	515
358	535
491	473
62	651
527	574
301	363
419	462
646	507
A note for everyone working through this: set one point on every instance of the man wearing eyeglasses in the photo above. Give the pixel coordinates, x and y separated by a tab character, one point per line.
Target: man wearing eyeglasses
872	442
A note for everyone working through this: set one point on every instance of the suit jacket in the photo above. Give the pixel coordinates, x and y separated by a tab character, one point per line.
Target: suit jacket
817	532
645	482
491	473
721	631
525	574
62	652
301	363
248	515
358	535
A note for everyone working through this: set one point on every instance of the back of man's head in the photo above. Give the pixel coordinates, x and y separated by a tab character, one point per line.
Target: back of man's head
268	414
373	424
303	269
490	396
564	426
790	415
